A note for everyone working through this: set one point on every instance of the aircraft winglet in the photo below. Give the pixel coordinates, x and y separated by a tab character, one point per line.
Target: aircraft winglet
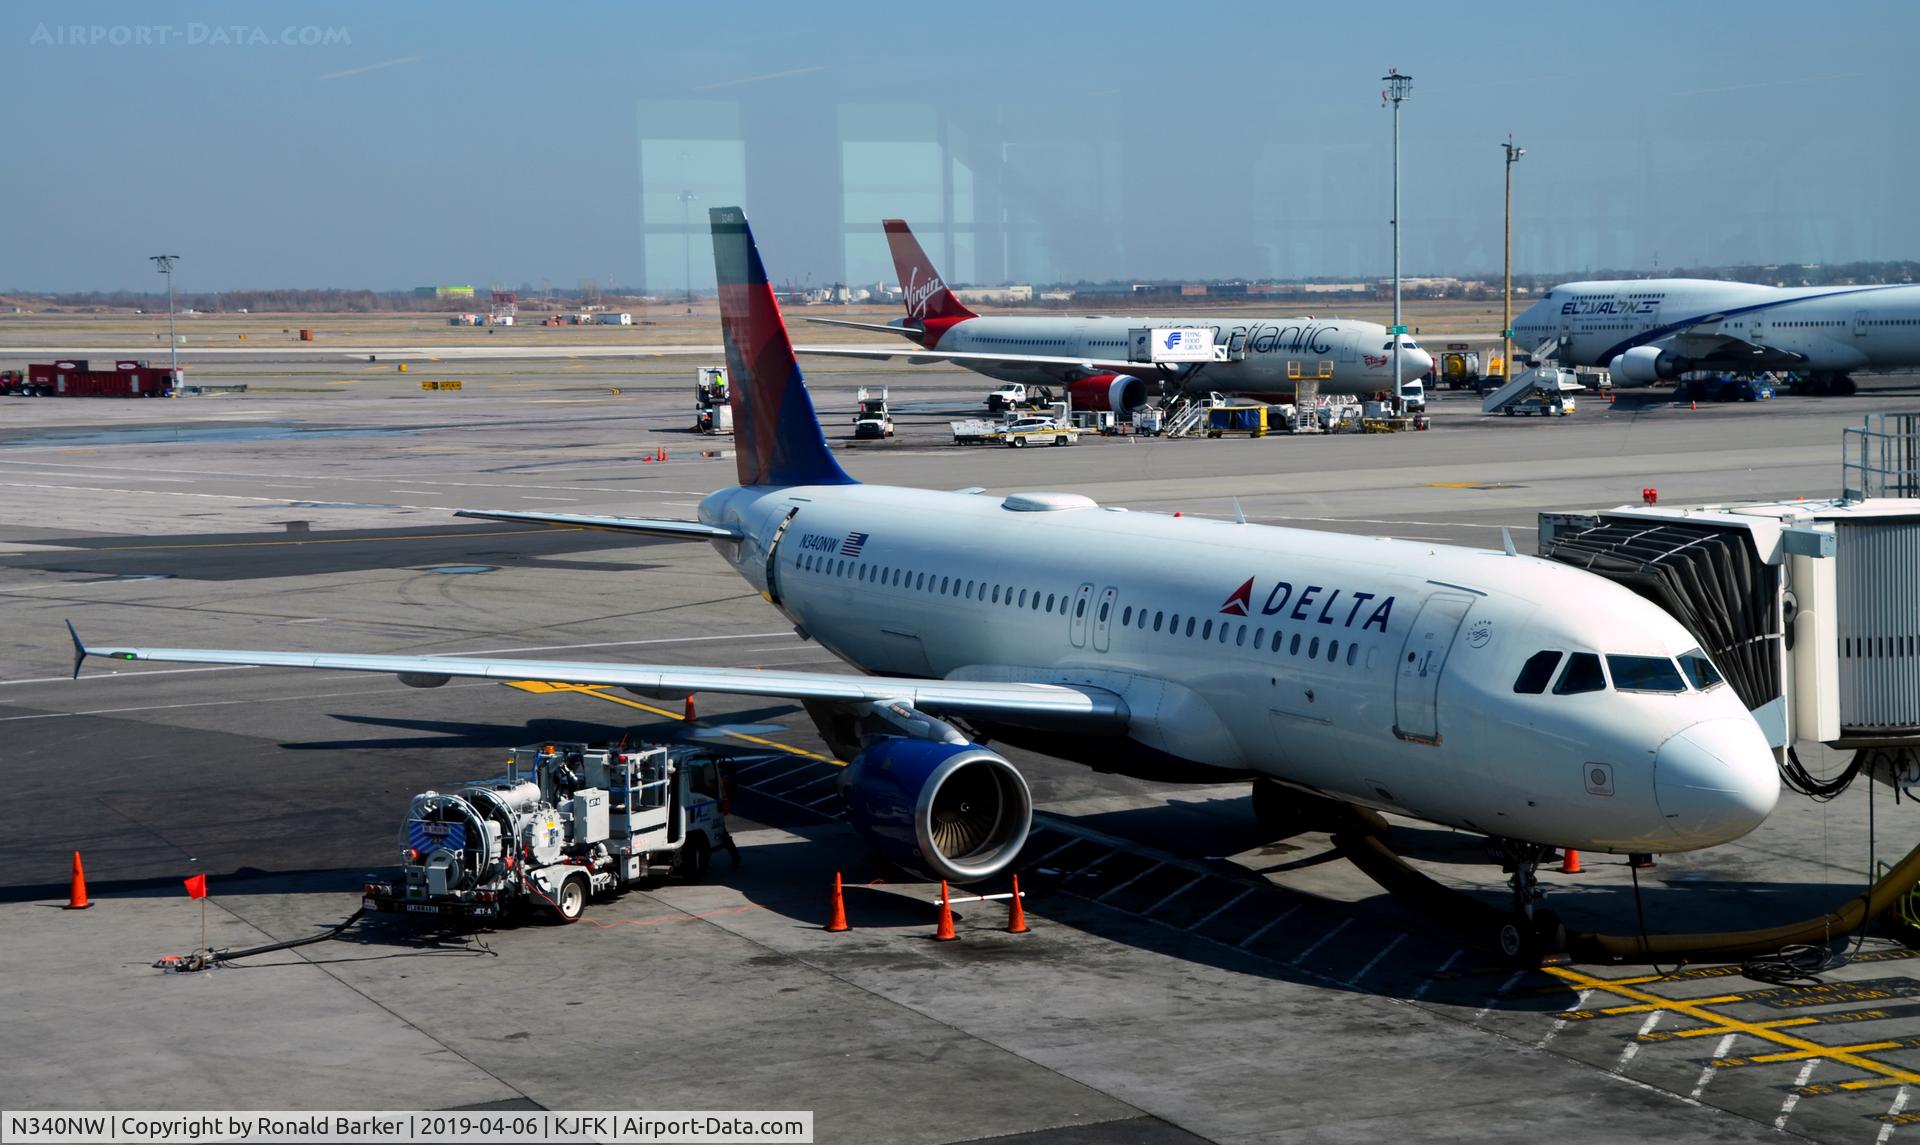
79	650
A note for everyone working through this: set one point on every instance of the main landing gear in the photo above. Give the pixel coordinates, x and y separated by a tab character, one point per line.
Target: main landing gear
1530	931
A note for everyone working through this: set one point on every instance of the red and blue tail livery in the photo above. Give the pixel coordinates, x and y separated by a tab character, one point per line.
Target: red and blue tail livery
776	434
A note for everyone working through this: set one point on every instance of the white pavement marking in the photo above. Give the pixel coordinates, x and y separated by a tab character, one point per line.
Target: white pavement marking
1793	1098
122	675
1174	894
1560	1023
1322	941
1284	915
1216	912
1123	886
1375	960
1498	993
531	497
1435	976
1893	1111
1633	1047
1707	1071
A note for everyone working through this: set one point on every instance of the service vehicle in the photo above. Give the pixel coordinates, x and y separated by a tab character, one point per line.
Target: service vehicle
712	409
976	431
1248	419
1459	369
871	418
77	379
1018	396
564	822
1023	431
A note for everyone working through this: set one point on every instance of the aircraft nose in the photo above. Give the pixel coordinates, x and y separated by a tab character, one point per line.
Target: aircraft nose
1422	362
1716	780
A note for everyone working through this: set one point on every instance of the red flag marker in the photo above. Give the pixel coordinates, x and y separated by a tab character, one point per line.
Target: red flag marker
196	886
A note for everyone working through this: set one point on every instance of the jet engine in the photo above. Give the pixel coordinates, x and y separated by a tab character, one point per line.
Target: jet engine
1121	393
944	810
1645	365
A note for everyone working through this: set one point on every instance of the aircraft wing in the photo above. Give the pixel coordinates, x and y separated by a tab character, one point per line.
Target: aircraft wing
903	331
1051	704
918	356
650	527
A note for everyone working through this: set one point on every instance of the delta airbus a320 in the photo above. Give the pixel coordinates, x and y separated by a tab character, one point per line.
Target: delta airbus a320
1447	684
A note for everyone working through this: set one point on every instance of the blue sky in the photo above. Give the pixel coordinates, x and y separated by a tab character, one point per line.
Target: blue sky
388	146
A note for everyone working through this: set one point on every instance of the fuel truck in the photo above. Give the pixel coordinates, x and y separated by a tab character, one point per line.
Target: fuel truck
564	822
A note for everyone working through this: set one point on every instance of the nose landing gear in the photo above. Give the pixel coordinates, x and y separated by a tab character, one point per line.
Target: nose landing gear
1530	932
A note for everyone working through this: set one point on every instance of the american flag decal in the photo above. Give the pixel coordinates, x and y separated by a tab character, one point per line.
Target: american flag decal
853	544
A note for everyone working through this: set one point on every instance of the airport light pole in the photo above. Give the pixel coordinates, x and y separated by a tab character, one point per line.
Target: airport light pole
1506	321
1399	88
164	264
686	246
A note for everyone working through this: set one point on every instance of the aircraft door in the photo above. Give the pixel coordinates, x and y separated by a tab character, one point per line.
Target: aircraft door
1416	691
1859	324
1103	618
773	555
1077	619
1345	347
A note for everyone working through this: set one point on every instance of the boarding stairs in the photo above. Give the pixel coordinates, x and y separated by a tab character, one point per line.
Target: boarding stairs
1543	375
1184	416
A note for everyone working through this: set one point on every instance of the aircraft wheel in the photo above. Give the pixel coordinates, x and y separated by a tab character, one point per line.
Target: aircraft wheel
1843	386
1516	941
1551	932
1277	810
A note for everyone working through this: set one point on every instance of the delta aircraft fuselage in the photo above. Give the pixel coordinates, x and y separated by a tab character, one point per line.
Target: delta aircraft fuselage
1378	671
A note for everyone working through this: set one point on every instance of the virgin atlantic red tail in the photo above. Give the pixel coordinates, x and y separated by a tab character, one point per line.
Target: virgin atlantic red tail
930	305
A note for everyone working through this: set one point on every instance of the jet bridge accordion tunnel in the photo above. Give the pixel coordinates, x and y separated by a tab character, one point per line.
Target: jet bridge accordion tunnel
1811	609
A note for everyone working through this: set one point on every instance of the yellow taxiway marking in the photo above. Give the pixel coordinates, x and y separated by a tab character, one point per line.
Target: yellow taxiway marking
1452	484
598	692
1765	1031
1713	1031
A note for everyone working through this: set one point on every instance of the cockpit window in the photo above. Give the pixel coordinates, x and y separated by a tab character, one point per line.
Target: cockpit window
1582	675
1645	674
1700	670
1535	673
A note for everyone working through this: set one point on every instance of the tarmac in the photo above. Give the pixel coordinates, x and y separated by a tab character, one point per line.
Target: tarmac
1184	980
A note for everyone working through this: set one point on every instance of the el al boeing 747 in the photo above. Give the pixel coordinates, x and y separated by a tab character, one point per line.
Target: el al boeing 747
1656	329
1447	684
1094	359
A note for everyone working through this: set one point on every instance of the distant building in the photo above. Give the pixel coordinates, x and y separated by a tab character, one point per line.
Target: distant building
443	292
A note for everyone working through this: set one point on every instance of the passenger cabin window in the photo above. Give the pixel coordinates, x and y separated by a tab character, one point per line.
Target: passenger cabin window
1535	673
1645	674
1700	670
1582	675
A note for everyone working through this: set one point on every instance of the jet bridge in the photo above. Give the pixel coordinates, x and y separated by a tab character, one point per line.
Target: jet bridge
1811	609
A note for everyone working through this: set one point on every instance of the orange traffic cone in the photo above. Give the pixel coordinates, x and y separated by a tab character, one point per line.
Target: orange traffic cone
689	715
838	922
945	931
77	894
1016	915
1693	405
1570	862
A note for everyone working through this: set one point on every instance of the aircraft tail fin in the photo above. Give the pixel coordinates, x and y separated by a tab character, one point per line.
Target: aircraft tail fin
929	303
777	438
